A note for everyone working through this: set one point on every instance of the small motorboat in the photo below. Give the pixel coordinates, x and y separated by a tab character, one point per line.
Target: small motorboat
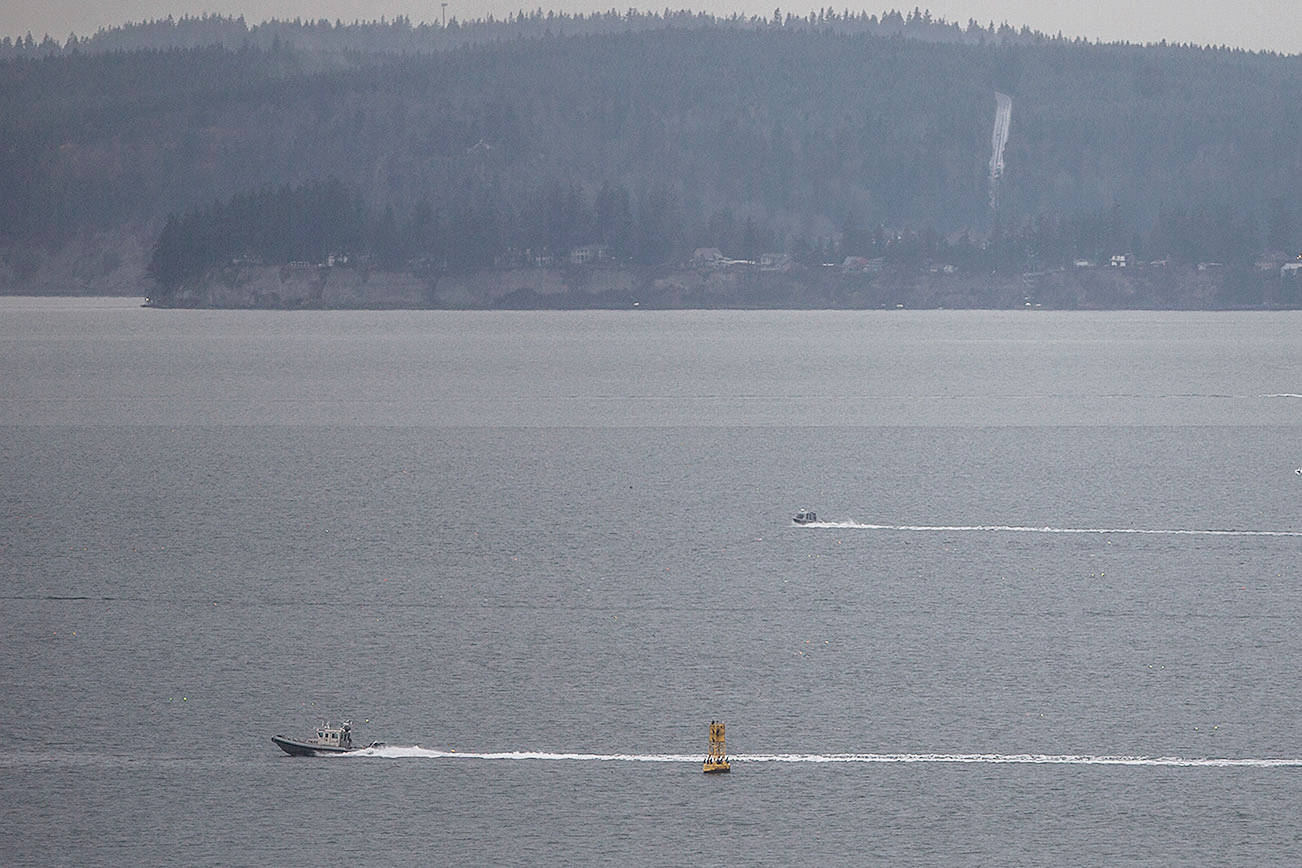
805	516
329	740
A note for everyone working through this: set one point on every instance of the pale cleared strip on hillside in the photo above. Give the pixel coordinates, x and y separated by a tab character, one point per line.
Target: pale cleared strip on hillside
998	139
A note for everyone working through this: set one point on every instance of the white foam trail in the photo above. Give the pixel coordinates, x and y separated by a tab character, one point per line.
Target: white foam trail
415	752
1023	759
1009	528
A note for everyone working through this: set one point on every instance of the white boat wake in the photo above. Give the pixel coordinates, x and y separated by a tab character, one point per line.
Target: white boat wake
414	752
1010	528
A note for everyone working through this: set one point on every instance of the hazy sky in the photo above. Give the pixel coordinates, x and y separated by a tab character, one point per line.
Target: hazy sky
1254	24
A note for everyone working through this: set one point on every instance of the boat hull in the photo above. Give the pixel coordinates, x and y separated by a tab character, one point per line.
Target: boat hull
302	748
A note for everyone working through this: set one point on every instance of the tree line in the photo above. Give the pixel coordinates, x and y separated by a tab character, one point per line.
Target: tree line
399	35
326	220
806	139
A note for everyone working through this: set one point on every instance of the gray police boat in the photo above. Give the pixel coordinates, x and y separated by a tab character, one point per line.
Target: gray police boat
329	740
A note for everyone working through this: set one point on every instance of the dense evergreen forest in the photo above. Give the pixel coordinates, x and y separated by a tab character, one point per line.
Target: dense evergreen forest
515	142
322	37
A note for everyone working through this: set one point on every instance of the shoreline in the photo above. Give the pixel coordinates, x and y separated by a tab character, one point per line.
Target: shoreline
311	287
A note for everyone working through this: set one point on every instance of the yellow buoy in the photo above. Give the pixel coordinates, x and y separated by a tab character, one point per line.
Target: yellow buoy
716	761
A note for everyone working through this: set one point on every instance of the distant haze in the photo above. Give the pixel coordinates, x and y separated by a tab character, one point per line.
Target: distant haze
1269	25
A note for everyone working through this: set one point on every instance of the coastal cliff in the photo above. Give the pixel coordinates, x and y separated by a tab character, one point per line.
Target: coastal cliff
304	286
298	285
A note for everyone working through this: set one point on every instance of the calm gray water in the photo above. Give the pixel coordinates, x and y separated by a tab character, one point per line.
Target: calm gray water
570	533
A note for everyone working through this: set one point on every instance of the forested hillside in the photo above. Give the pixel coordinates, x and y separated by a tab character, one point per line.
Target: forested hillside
812	137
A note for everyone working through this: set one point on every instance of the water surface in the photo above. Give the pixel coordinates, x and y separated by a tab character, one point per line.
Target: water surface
1058	571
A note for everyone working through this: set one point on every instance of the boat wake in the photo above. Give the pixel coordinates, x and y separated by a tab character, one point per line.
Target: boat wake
414	752
1023	759
1009	528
